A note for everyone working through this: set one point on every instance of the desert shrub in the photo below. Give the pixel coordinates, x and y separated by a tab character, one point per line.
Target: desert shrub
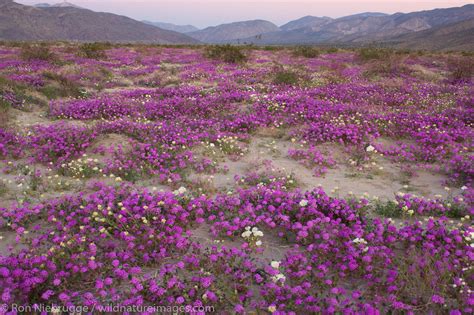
306	51
14	95
93	50
391	66
4	109
227	53
63	87
331	50
37	52
388	209
462	70
272	48
467	53
285	77
372	53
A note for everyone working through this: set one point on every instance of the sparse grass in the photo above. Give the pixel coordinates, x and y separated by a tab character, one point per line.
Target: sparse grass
202	185
226	53
3	189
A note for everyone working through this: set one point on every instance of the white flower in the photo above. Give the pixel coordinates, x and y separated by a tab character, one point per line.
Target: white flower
359	241
181	190
303	203
258	243
275	264
258	233
279	277
463	188
246	234
370	148
272	308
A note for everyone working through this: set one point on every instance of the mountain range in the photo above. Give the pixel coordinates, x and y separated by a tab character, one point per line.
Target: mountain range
173	27
439	29
231	32
63	4
368	28
66	22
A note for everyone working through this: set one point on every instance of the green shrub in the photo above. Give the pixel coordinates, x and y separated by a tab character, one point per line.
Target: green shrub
227	53
272	48
285	77
331	50
372	53
61	87
306	51
93	50
37	52
388	209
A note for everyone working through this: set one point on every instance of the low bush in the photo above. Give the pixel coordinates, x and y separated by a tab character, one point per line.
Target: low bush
331	50
390	66
285	77
462	70
37	52
4	109
306	51
372	53
93	50
63	87
227	53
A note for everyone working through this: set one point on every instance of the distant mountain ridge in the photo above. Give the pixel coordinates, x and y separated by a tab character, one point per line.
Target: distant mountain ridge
365	28
63	4
65	22
306	22
459	36
443	29
173	27
231	32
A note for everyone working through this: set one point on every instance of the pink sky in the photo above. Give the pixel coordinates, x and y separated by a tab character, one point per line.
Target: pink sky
211	12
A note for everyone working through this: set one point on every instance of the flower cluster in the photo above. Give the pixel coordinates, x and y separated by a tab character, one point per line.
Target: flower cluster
313	159
120	190
59	143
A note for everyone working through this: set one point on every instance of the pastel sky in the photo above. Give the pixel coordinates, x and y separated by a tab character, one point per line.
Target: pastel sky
212	12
